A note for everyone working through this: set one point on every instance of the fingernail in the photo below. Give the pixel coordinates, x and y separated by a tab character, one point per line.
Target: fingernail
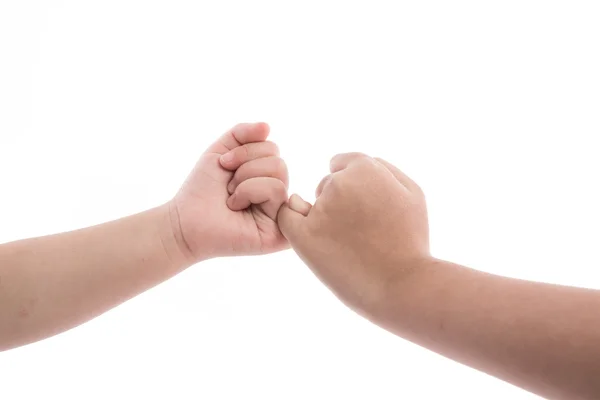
299	205
230	187
227	158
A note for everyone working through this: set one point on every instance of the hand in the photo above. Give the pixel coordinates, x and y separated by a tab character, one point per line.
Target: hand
228	204
367	229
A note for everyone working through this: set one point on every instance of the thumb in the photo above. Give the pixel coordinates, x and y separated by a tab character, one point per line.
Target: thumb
291	218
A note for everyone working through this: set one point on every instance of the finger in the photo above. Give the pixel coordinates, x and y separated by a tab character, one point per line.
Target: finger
291	224
299	205
324	182
341	161
240	135
273	167
248	152
400	176
270	193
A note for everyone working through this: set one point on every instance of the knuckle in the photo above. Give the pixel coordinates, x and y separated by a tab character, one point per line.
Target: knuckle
272	148
279	190
418	190
347	159
322	185
335	183
235	130
366	163
351	155
335	158
244	153
359	157
240	127
281	167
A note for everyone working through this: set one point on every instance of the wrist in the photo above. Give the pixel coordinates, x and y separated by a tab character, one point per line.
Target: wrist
172	240
419	305
403	292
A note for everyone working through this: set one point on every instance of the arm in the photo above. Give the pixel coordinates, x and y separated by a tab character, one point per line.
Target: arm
543	338
226	207
367	239
53	283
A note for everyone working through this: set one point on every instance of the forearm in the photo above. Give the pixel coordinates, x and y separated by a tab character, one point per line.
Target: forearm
543	338
54	283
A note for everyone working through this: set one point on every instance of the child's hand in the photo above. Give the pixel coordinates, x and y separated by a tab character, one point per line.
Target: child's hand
367	229
229	203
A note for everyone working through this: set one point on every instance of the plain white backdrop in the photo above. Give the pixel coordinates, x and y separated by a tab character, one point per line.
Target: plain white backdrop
493	107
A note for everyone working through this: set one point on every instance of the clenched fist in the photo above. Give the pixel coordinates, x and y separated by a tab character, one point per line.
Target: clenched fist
367	229
229	203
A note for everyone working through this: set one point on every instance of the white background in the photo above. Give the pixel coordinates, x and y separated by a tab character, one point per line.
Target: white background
493	107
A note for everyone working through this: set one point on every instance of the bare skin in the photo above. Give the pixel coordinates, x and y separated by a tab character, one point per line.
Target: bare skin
54	283
366	238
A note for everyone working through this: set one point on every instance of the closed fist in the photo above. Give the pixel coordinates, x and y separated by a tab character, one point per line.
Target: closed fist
229	203
367	229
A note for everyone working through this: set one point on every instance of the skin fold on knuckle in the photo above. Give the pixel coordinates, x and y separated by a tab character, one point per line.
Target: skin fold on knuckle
243	154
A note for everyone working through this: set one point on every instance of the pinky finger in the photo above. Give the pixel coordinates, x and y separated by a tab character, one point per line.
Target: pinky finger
270	193
299	205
